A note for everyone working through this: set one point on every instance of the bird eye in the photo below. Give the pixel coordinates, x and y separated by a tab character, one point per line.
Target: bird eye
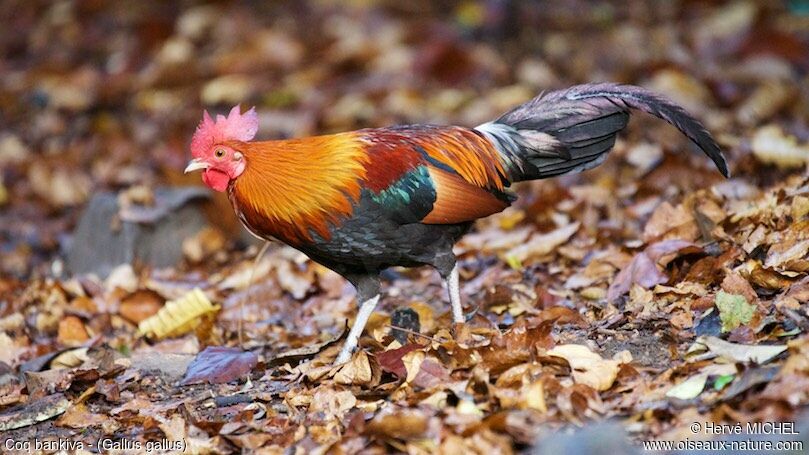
219	153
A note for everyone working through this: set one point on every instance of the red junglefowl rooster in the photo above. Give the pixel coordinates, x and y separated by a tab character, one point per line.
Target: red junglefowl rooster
362	201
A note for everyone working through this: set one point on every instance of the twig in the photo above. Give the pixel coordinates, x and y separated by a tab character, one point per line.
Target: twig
605	331
412	333
795	316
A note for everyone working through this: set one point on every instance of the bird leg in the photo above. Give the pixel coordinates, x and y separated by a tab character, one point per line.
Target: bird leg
353	338
454	288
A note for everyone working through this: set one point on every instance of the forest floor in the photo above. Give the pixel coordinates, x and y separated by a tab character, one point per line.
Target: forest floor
650	295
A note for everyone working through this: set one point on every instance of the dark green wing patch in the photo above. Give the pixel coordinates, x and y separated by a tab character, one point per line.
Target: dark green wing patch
410	198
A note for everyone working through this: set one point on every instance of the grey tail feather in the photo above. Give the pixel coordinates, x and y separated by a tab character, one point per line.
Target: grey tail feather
572	130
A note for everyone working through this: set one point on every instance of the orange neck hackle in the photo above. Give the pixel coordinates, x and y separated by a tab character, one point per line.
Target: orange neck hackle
292	188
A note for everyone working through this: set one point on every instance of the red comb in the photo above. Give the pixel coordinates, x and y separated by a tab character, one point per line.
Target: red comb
234	127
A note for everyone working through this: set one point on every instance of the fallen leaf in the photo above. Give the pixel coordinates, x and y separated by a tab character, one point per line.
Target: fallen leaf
178	317
430	374
70	358
771	145
520	342
542	244
781	254
49	381
798	292
750	379
766	277
122	277
722	381
665	251
645	156
331	402
204	243
764	102
800	207
10	349
588	367
391	360
688	389
72	331
741	352
468	407
356	372
733	283
412	363
399	424
533	397
578	402
667	221
219	364
733	310
790	388
34	411
308	351
78	416
170	365
140	305
641	271
561	315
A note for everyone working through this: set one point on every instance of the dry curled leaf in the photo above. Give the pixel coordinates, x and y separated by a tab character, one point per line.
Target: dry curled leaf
643	270
771	145
179	316
587	367
140	305
219	364
740	352
72	331
542	244
391	360
356	372
398	424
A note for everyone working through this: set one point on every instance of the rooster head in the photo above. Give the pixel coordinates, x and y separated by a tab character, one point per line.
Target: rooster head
213	146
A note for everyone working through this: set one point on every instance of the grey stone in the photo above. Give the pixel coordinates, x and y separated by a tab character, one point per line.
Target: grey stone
107	236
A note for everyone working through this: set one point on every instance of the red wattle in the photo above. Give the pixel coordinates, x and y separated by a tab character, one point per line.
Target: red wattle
216	179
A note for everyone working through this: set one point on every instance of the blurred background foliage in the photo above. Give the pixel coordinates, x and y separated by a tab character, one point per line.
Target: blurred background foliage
99	95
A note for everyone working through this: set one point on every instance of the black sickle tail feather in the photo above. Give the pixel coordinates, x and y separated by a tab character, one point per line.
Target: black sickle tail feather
572	130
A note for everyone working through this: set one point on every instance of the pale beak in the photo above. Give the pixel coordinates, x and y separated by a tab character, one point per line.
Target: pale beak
195	165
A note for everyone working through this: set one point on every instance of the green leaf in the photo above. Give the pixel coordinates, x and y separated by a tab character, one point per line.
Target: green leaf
733	310
720	382
514	262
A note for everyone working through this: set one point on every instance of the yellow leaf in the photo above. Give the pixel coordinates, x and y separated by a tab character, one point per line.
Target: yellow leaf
534	397
510	218
179	316
356	372
513	262
412	362
426	316
468	407
3	193
587	367
70	359
771	145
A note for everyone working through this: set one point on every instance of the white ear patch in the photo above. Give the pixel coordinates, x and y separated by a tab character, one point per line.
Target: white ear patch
238	156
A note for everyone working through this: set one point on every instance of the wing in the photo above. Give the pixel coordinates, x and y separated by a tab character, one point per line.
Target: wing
435	175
